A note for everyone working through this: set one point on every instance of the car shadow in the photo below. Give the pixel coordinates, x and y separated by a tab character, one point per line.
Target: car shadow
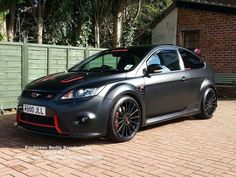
12	137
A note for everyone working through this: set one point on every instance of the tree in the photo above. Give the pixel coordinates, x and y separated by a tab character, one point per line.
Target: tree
131	14
38	8
11	20
57	22
101	23
151	9
68	22
117	10
124	12
81	20
99	8
2	26
10	8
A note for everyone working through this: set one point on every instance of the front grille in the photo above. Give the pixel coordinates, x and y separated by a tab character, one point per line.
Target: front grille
37	119
40	94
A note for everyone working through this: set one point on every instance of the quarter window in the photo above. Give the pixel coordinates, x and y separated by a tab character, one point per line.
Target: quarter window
190	60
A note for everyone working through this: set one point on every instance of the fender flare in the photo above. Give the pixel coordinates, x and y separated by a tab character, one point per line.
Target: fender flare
119	90
206	84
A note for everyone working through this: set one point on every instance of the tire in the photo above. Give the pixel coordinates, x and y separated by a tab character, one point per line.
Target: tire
209	104
125	119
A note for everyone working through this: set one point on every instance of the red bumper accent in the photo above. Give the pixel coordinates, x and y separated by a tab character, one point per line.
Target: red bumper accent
57	126
56	123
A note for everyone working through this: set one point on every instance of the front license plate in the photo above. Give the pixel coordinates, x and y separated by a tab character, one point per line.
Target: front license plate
36	110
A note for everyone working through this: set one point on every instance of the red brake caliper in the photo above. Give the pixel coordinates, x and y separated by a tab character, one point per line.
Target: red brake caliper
116	119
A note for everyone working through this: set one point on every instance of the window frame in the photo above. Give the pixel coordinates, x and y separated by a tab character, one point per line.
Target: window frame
180	61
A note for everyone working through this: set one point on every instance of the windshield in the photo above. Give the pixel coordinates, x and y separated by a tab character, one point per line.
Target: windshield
118	60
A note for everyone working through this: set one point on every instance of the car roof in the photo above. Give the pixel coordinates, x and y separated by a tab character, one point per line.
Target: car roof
146	48
150	47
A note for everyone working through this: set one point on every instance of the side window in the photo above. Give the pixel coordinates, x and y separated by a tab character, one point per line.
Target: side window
169	58
154	59
190	60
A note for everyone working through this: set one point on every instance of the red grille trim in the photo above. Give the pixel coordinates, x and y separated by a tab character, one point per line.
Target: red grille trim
56	123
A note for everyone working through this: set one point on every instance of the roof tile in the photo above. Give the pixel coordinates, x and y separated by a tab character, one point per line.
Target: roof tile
228	3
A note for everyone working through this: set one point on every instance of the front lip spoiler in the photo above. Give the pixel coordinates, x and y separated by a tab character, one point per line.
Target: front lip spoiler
80	135
56	123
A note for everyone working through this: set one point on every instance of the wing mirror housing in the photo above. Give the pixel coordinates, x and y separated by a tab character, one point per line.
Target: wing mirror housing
145	72
154	68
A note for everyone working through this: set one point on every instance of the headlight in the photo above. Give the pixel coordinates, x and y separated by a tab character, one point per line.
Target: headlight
81	93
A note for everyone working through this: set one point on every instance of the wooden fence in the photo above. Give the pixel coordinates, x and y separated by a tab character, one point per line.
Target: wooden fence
21	63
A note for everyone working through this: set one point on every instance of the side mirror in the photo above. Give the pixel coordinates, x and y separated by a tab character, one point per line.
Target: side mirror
145	72
154	68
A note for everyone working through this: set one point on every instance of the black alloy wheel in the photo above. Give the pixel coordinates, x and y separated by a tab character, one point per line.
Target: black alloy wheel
125	120
209	103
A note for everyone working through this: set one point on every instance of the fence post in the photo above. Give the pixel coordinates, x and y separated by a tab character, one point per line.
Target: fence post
86	52
67	58
48	57
24	64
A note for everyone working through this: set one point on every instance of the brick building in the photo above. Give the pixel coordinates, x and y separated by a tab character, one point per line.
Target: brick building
206	24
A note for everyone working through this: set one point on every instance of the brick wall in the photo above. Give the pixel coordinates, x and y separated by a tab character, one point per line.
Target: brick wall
217	36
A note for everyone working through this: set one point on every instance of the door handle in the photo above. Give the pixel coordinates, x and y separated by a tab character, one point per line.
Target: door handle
184	78
141	89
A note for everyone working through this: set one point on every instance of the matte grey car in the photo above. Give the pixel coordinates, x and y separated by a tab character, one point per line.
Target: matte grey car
115	92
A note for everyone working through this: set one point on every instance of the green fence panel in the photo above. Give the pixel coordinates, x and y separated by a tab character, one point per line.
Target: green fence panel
75	56
92	51
10	74
58	60
21	63
37	62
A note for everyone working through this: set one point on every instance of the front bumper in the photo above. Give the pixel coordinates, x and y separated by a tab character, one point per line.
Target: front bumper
77	118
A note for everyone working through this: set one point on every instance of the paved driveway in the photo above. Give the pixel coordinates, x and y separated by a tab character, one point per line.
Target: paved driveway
185	147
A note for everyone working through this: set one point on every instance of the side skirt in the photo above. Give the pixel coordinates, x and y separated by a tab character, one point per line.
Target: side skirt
171	116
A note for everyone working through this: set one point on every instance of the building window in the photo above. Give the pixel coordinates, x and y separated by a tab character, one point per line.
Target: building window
191	39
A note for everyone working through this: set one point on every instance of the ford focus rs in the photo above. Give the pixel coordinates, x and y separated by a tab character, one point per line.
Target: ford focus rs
115	92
